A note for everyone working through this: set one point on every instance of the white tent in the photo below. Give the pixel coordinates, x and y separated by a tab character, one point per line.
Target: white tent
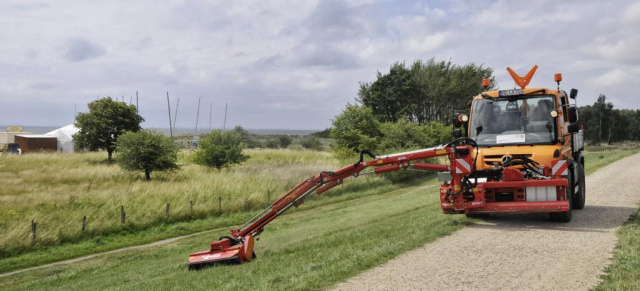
65	138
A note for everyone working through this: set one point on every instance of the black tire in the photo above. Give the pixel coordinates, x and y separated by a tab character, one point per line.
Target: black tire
478	215
565	216
580	197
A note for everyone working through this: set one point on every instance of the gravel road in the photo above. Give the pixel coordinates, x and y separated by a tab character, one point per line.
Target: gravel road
525	252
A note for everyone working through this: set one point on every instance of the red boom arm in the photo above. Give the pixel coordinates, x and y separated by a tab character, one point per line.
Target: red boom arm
239	246
327	180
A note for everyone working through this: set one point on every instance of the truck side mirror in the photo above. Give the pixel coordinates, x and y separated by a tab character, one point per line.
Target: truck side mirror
573	94
572	114
457	132
573	127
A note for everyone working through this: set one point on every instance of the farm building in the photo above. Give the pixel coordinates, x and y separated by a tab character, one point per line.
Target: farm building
7	137
65	138
36	143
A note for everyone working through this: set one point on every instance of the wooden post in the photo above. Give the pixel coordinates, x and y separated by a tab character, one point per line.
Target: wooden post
84	222
220	204
34	226
269	196
191	204
167	210
123	215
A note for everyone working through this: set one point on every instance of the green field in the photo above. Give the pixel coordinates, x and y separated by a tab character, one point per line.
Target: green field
57	190
312	248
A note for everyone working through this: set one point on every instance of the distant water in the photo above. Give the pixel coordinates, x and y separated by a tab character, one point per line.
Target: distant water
180	131
192	131
34	129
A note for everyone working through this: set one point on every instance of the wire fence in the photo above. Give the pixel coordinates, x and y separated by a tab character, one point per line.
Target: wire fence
124	217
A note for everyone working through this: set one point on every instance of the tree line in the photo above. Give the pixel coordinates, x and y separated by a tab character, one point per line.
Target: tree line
423	92
409	107
604	124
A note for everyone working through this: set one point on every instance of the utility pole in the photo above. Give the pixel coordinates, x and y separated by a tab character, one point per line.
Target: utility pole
137	107
175	116
169	106
210	114
224	125
198	115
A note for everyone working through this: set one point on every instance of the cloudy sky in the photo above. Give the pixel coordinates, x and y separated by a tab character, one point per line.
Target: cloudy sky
293	64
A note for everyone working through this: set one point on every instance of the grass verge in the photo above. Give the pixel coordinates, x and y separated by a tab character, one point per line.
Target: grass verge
307	250
624	271
131	237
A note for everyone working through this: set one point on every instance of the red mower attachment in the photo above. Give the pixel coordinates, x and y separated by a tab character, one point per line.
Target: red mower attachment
226	250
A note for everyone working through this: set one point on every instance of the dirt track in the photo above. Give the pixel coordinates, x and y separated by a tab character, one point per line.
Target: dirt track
521	252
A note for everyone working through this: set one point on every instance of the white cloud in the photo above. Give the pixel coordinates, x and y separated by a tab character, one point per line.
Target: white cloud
301	59
632	13
611	78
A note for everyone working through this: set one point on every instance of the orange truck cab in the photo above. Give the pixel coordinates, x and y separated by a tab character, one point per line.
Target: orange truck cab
534	130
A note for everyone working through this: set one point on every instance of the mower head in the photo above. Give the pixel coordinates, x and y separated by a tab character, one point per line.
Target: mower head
227	250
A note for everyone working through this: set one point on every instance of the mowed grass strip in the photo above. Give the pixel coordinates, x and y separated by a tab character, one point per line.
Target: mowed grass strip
131	237
624	271
305	250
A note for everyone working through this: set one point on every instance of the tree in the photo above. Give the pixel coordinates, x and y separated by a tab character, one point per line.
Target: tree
220	149
424	92
146	151
355	129
249	141
104	123
284	141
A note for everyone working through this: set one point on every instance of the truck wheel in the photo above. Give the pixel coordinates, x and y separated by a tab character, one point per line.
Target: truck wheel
565	216
580	197
478	215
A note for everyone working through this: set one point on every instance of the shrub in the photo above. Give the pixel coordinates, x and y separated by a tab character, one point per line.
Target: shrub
284	141
311	142
220	149
272	144
355	129
146	151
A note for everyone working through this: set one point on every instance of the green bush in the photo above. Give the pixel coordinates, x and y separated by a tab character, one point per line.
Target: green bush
146	151
284	141
272	144
249	141
311	142
220	149
355	129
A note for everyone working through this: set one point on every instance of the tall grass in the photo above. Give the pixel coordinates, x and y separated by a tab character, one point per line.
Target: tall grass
57	190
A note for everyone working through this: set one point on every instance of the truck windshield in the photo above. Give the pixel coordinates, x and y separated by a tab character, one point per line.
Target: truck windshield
518	120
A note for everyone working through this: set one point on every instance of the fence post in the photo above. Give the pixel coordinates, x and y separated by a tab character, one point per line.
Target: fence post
84	222
167	210
123	215
220	204
268	196
33	231
191	204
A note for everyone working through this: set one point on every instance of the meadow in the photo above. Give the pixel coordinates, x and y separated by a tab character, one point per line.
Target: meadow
57	190
312	248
